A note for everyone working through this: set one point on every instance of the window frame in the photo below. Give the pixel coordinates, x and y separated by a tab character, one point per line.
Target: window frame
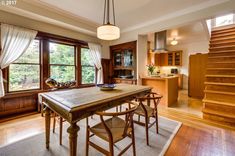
75	58
40	72
87	66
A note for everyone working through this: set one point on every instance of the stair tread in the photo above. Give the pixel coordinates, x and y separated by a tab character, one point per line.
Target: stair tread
227	42
221	39
220	92
219	29
218	113
219	102
220	76
223	51
226	62
230	46
220	84
220	68
222	35
221	56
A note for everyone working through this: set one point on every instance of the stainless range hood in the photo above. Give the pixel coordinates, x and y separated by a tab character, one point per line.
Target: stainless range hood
160	42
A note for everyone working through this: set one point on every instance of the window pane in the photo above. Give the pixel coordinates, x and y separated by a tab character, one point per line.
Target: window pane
224	20
62	73
88	69
85	57
61	54
88	75
31	55
24	77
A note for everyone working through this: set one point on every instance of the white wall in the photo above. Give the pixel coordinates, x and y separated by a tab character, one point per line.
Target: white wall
141	56
189	49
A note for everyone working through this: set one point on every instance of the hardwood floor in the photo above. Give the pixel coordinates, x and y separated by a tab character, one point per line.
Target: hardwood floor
196	136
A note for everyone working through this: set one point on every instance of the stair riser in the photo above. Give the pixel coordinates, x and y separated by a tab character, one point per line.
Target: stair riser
221	59
221	54
221	49
220	97
222	41
220	65
220	119
220	79
220	72
217	107
221	88
214	32
222	44
230	35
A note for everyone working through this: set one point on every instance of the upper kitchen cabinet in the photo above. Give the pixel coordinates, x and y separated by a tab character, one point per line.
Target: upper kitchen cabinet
173	58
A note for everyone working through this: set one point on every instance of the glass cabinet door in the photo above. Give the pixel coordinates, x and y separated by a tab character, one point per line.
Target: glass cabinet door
128	58
170	59
118	58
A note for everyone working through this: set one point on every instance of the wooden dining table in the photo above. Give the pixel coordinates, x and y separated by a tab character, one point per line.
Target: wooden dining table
76	104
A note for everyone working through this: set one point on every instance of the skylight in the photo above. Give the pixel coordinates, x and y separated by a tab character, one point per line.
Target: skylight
224	20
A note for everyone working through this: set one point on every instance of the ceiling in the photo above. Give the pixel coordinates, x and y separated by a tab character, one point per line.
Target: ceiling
129	13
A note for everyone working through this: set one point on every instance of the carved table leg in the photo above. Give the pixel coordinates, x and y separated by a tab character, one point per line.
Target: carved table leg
47	125
73	133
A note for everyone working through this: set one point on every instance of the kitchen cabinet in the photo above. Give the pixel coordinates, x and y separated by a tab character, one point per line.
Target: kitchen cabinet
173	58
123	58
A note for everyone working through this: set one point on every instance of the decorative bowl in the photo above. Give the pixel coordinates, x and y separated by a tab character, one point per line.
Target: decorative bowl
106	87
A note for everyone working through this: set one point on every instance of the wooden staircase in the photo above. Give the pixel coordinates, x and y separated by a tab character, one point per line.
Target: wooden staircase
219	99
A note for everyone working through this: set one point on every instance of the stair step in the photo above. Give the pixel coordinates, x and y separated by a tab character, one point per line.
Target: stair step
221	76
219	64
231	47
223	51
232	34
222	40
229	30
220	68
220	44
218	102
220	84
224	117
220	88
229	58
223	28
220	71
220	96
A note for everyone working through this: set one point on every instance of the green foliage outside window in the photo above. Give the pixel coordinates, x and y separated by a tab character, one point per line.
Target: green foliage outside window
88	68
25	72
62	62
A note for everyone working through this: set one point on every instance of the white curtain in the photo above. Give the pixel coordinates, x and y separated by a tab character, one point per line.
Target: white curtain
95	52
14	42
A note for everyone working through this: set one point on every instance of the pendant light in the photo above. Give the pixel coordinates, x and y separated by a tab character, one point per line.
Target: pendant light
174	42
108	31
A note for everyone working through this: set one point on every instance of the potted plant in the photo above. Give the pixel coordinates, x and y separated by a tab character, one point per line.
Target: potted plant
150	68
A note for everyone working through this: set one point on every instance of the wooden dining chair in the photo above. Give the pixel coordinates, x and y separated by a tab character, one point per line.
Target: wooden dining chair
147	112
112	130
60	120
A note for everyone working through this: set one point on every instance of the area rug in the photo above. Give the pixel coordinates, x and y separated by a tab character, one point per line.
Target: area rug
35	145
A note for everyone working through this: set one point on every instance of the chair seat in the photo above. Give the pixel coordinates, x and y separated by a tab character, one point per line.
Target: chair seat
116	126
140	111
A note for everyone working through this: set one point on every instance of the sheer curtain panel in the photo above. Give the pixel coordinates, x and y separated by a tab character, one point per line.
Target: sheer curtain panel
14	42
95	52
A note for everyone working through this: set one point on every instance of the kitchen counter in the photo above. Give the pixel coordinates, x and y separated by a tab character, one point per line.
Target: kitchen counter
166	86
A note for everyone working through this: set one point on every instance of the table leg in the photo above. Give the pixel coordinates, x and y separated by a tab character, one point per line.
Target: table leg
73	133
47	125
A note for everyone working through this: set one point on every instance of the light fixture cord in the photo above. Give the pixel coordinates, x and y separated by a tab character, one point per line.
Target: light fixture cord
108	22
113	14
104	12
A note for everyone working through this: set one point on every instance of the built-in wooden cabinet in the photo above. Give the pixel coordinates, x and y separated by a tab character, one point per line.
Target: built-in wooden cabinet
173	58
123	58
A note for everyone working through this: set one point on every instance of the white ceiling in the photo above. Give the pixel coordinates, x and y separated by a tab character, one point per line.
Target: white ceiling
129	13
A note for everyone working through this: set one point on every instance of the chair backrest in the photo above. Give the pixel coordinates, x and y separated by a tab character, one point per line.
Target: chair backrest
156	98
128	117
